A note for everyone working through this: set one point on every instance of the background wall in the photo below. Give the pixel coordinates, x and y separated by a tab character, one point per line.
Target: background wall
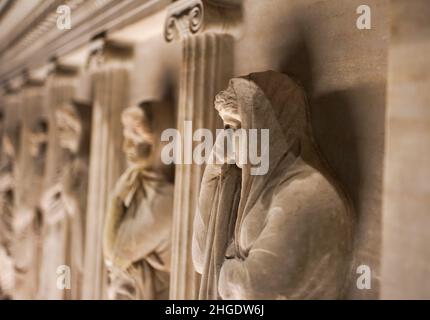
156	70
406	250
344	72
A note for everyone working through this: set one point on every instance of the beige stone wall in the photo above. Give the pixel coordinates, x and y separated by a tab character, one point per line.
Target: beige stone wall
344	72
157	66
406	216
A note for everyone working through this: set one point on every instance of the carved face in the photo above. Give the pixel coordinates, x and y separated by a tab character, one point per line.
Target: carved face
138	138
226	104
69	128
228	109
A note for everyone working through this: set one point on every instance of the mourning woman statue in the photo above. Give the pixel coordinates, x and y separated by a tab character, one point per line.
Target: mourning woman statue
65	202
138	224
286	234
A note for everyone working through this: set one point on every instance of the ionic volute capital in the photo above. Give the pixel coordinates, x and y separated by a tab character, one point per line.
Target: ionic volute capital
189	17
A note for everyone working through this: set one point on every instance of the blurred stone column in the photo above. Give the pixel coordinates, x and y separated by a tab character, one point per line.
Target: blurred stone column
406	203
109	65
11	103
61	83
28	186
205	29
61	87
32	109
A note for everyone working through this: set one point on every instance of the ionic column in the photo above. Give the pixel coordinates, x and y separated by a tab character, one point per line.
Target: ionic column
110	65
205	31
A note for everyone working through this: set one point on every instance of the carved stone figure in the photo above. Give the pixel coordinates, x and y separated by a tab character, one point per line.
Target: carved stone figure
64	205
10	142
7	274
283	235
138	224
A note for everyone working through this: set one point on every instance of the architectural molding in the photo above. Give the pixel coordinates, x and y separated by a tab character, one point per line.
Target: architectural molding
5	6
109	67
37	36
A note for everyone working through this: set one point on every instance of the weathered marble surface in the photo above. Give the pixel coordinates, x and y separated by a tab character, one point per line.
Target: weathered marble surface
405	270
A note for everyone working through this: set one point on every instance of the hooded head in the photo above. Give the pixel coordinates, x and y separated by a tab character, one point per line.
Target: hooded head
270	100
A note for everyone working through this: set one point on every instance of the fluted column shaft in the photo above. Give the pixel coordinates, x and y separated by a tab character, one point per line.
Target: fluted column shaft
111	86
205	70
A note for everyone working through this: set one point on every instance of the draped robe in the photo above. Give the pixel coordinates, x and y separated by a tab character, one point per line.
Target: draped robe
137	236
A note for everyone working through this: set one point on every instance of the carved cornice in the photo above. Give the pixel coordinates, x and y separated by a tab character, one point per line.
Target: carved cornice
188	17
37	38
5	6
